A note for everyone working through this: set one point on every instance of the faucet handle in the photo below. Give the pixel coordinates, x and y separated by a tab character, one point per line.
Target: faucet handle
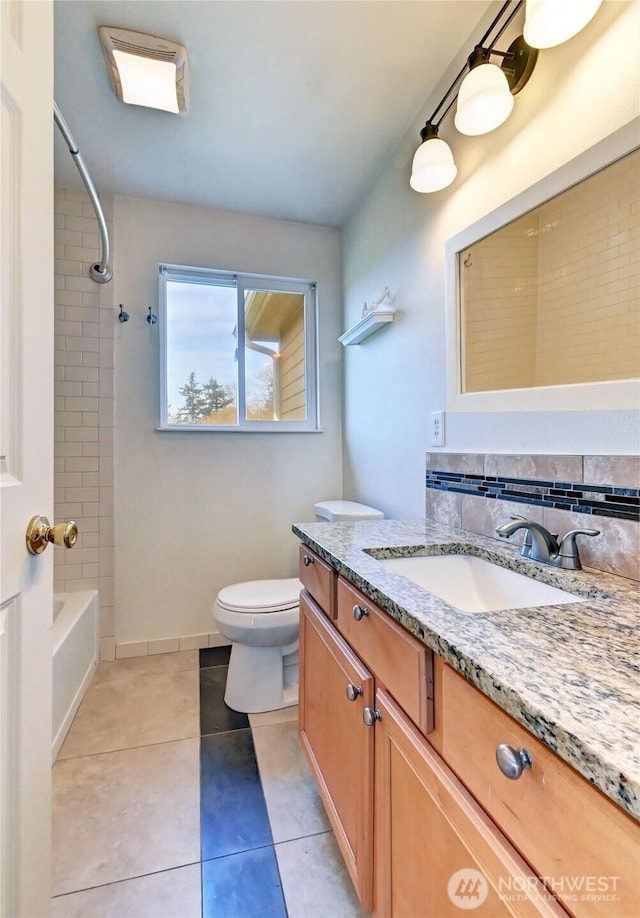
568	552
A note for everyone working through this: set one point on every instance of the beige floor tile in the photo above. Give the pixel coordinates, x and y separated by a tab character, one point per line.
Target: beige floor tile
124	814
121	713
170	894
133	667
293	803
284	715
315	881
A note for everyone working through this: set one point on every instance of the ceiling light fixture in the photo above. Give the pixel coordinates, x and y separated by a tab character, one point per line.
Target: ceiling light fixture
145	70
548	23
485	90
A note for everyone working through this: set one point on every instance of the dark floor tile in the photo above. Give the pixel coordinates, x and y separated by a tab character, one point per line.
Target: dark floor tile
215	716
233	813
245	885
214	656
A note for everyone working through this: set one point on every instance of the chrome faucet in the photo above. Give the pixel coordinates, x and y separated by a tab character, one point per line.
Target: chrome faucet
541	545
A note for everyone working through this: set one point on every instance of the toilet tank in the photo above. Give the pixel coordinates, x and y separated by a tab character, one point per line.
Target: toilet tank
345	510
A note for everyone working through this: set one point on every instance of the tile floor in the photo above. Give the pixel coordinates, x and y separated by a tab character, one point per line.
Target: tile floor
167	804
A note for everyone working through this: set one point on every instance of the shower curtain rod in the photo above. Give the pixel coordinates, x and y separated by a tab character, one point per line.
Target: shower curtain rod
101	273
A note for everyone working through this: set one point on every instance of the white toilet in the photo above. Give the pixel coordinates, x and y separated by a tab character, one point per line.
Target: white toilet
261	618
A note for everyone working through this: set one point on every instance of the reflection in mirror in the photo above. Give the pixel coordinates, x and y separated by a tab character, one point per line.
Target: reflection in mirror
553	298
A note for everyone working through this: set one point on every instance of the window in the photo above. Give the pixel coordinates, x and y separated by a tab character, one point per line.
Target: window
238	351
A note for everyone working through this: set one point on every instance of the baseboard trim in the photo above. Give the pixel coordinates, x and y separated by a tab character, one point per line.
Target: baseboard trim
127	649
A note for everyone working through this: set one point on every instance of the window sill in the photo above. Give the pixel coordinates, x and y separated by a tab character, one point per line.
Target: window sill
209	429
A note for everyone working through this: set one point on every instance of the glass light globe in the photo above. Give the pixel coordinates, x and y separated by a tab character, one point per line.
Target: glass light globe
484	100
550	22
433	166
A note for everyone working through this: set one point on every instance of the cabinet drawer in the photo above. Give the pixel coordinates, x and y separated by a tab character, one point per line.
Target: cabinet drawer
400	663
319	580
566	829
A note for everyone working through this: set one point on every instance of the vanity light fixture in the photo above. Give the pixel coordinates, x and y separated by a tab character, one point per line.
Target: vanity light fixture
433	166
549	23
145	70
484	90
485	100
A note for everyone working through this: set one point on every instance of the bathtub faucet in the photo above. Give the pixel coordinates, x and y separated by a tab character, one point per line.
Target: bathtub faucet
541	545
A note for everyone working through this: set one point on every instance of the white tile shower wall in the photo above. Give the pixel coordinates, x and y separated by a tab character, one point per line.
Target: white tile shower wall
500	288
83	392
600	316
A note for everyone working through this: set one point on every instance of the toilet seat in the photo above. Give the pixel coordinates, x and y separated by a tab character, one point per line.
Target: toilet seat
261	596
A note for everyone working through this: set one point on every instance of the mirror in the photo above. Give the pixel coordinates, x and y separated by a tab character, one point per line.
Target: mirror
547	296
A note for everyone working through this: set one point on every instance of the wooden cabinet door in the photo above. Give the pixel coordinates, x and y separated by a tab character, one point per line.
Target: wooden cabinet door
437	853
337	743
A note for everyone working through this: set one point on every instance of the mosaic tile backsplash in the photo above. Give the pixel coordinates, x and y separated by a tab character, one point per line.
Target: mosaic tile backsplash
479	491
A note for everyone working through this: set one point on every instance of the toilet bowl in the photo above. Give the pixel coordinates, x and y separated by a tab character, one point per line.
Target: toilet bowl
261	619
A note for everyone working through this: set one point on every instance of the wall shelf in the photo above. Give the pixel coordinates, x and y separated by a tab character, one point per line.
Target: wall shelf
368	325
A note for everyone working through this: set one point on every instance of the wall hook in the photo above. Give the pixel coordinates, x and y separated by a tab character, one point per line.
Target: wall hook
122	315
151	319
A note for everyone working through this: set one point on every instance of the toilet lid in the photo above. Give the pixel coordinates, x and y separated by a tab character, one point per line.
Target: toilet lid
261	595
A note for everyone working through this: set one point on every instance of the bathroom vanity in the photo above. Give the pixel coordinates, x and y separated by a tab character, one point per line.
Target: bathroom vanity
404	700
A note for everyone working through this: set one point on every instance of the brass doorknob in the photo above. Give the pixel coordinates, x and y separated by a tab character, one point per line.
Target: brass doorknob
40	533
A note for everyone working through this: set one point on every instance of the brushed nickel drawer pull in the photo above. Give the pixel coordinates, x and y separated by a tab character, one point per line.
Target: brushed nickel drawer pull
370	716
353	691
307	560
359	612
512	762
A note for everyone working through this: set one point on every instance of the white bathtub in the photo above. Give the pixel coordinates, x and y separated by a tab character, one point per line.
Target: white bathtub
75	657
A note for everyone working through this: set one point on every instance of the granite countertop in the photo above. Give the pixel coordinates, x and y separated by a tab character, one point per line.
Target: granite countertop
569	674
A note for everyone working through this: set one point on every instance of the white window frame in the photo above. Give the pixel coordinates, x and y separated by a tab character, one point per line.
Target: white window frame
241	282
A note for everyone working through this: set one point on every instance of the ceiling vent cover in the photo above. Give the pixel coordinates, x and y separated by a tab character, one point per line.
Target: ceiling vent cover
146	70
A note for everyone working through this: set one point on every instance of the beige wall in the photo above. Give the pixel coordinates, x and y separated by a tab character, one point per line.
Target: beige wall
83	392
292	394
197	511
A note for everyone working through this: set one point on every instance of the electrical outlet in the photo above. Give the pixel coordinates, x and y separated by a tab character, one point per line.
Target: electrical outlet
437	428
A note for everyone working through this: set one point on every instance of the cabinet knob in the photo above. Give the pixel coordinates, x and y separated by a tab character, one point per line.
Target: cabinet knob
307	560
512	762
359	612
370	716
353	691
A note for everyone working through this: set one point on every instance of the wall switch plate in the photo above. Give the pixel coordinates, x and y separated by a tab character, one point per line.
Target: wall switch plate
437	428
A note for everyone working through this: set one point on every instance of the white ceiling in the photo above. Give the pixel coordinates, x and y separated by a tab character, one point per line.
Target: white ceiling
294	103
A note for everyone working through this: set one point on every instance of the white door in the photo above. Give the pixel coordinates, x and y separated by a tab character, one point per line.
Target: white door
26	448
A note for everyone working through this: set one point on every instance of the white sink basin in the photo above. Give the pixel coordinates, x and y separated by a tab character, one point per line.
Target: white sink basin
474	585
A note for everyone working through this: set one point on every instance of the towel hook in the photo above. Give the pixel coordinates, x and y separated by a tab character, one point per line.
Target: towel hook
151	319
122	315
